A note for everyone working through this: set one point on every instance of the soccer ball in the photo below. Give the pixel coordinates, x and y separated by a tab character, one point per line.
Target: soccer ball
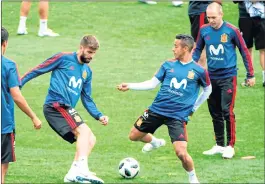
129	168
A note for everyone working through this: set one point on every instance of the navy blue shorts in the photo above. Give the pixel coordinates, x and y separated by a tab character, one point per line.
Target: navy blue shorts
150	121
253	30
8	148
63	120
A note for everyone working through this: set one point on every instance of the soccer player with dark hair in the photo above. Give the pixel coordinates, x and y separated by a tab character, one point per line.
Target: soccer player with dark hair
10	93
71	78
220	39
177	99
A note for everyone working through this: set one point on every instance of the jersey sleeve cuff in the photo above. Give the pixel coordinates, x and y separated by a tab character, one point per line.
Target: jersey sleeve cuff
98	116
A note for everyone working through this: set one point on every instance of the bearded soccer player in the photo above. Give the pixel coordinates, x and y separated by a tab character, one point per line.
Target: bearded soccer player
220	39
180	80
71	78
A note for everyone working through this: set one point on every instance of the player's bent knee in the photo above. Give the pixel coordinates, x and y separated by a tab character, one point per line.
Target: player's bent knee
133	137
136	135
182	155
181	152
92	140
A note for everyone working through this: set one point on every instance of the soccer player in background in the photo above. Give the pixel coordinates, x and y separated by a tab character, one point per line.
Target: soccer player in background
10	93
180	80
197	16
71	78
43	13
175	3
221	39
252	25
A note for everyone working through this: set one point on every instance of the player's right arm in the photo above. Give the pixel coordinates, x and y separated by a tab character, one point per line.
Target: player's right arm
13	85
47	66
200	43
146	85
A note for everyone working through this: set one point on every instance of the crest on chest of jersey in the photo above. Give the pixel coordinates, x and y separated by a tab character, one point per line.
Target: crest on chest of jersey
84	74
224	38
191	74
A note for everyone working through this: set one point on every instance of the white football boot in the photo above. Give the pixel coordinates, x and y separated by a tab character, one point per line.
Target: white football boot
148	2
22	30
214	150
149	147
71	177
88	178
193	180
177	3
48	32
229	152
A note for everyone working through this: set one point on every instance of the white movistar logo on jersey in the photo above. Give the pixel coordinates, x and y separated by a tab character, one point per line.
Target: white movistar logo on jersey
174	83
216	51
75	83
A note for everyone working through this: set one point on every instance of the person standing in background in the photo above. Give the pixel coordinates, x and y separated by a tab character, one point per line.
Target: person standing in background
197	16
252	25
43	13
174	3
220	39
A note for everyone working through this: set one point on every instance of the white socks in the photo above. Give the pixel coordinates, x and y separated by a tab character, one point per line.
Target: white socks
82	164
43	25
154	141
263	74
74	167
22	21
191	173
79	165
192	177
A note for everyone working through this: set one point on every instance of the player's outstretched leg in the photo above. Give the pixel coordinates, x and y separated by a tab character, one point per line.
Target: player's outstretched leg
151	142
154	144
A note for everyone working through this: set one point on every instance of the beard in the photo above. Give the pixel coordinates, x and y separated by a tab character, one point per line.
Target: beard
84	59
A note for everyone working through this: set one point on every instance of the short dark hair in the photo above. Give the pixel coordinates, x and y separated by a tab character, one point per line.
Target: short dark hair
186	40
90	41
4	35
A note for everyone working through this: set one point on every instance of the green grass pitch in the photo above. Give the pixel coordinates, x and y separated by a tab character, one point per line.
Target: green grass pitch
135	39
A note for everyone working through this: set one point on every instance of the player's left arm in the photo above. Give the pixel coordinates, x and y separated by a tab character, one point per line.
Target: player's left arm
204	81
90	105
240	43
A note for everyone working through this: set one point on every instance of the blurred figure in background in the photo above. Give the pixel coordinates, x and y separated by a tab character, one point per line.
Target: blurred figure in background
252	24
174	3
43	13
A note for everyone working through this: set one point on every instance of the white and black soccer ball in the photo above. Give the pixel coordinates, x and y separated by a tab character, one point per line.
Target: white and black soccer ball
129	168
